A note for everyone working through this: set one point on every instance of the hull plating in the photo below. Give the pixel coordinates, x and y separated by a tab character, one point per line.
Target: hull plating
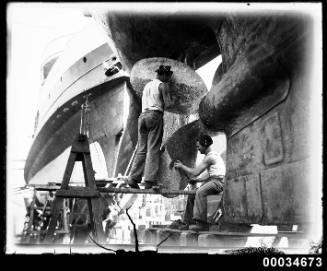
59	115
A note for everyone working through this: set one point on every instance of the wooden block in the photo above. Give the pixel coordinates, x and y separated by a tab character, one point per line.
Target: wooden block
214	240
188	238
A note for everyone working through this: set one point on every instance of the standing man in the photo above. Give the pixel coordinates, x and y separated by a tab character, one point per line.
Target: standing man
213	183
150	131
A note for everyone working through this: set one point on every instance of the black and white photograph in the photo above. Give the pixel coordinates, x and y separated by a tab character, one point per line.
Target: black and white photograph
164	128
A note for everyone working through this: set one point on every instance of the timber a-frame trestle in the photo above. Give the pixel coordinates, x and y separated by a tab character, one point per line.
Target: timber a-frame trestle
80	152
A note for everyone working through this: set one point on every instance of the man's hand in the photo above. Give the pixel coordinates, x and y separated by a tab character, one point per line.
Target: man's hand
162	147
178	164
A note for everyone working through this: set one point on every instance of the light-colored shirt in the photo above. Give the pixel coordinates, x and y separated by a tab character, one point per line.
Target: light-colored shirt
218	167
151	97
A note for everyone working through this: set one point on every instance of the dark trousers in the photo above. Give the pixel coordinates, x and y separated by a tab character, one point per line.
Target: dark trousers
147	157
196	205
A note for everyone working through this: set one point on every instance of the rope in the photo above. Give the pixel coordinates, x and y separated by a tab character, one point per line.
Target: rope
96	243
135	232
164	240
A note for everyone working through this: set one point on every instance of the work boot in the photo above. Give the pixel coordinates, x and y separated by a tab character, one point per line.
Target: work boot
178	225
184	227
199	226
133	184
149	185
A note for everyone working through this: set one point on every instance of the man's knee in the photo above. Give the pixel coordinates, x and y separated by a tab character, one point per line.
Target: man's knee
201	193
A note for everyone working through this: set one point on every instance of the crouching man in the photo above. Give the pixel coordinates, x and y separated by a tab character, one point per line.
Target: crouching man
196	207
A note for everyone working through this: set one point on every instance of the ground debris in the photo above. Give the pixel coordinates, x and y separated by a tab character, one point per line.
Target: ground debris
255	251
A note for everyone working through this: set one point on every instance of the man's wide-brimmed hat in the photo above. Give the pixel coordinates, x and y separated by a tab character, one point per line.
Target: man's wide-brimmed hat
163	69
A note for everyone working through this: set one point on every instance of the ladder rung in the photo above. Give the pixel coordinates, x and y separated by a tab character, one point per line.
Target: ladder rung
78	192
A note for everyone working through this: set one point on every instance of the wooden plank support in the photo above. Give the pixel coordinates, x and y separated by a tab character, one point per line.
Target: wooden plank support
234	234
46	187
230	240
56	185
78	192
145	191
120	190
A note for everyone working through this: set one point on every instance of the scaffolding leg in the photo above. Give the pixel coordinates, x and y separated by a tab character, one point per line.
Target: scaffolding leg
80	152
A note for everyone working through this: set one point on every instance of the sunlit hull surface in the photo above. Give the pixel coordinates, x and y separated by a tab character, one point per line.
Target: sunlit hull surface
59	115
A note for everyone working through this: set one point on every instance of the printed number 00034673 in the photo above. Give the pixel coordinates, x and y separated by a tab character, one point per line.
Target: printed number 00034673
291	261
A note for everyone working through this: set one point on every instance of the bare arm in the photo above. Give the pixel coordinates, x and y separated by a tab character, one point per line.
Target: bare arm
167	98
162	87
201	178
162	90
193	172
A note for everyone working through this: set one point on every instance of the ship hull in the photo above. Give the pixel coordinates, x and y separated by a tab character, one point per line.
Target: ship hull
49	154
59	115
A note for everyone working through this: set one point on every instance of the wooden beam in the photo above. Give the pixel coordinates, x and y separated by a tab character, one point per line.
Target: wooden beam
78	192
145	191
46	187
119	190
